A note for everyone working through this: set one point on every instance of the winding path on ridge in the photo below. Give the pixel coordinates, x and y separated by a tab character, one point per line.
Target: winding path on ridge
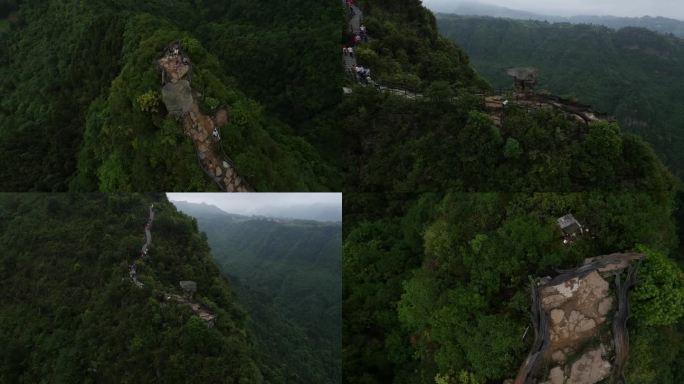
181	102
350	61
200	310
494	105
145	247
148	234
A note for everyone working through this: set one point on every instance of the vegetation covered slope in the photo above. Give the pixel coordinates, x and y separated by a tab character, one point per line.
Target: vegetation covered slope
436	286
73	72
289	279
658	24
447	141
633	74
70	314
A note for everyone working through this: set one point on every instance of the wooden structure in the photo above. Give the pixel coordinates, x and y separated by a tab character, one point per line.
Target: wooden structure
570	227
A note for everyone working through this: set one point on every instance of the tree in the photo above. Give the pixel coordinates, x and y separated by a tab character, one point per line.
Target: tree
148	101
659	294
512	149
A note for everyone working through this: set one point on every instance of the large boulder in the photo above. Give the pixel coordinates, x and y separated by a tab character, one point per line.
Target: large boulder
177	97
190	287
590	368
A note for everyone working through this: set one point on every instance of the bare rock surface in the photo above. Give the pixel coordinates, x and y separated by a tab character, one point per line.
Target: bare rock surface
575	308
177	97
590	368
181	102
556	375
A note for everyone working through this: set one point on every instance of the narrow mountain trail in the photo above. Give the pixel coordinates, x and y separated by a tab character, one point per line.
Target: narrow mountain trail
181	102
355	21
494	105
200	310
132	269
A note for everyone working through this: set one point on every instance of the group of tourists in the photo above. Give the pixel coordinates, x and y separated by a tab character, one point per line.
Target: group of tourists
348	51
361	37
363	33
363	74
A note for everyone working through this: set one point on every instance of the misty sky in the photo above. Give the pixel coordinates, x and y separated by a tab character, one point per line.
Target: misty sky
634	8
264	204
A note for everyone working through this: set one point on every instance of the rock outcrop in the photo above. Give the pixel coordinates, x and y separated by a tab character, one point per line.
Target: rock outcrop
181	102
568	313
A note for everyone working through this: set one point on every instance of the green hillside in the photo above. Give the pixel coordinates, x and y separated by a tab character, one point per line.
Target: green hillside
72	74
633	74
82	109
289	280
69	313
446	138
436	286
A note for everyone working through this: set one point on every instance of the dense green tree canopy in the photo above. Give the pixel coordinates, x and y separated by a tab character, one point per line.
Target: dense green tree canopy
436	286
288	276
632	73
73	76
70	314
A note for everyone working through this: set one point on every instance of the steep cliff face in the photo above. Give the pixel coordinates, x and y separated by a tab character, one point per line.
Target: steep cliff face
289	279
72	312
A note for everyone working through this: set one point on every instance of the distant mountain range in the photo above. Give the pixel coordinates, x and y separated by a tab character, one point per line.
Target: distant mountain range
207	210
314	212
657	24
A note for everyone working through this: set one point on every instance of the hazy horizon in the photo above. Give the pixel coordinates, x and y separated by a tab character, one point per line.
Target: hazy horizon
621	8
305	206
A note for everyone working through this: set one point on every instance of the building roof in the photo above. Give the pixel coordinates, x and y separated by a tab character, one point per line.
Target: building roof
567	221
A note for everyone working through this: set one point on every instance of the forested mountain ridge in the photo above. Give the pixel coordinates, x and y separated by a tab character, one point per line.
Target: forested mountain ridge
75	75
80	111
436	285
288	275
206	211
70	312
633	74
448	139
